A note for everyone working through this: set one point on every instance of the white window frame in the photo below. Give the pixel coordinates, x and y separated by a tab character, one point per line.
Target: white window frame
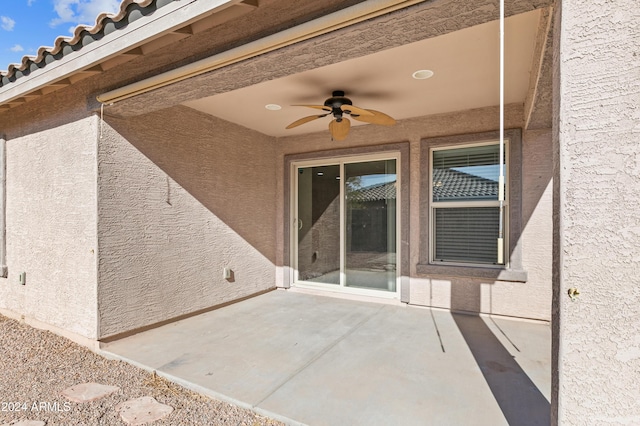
433	205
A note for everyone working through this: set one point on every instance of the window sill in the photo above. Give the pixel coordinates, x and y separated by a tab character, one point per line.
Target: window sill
448	271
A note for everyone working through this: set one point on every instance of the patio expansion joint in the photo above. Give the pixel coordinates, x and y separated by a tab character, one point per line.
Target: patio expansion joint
319	355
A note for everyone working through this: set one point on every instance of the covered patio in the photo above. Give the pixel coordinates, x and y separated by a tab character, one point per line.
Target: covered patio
313	359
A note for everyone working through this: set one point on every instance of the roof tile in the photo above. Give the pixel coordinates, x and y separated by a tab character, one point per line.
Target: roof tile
130	10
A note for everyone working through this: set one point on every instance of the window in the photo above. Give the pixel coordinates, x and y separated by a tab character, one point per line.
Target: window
459	215
465	212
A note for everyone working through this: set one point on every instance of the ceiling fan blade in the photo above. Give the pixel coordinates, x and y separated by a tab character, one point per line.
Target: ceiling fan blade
305	120
352	109
377	118
322	107
339	129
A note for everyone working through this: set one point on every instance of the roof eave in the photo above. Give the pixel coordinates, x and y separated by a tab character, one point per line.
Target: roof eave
165	20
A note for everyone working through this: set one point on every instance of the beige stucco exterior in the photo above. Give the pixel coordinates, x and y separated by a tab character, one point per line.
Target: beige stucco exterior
127	221
596	225
51	219
210	201
177	196
182	196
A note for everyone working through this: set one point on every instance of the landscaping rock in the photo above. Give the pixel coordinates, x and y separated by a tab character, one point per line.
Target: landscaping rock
86	392
142	410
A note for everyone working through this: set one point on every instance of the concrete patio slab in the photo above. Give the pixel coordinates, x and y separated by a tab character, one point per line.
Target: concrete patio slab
325	361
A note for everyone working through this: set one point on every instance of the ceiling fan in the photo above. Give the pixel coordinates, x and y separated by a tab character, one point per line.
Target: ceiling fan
339	106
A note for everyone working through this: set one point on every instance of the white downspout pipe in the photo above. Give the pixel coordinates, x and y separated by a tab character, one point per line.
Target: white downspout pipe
501	178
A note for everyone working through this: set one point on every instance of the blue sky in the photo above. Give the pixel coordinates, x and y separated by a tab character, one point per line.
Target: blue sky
25	25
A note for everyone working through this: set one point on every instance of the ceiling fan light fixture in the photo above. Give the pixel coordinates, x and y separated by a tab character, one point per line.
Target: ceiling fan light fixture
273	107
422	74
339	107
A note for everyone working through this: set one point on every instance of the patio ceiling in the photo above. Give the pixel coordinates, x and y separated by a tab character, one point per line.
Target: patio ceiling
466	76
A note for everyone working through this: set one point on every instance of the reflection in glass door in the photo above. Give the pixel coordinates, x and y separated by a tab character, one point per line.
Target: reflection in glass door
346	224
370	258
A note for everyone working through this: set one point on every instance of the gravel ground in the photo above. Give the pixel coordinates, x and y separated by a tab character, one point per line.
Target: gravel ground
36	366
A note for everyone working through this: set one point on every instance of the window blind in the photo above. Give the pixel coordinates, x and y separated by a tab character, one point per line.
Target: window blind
466	234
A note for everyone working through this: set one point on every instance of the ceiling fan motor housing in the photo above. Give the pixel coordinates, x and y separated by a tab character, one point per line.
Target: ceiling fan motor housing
335	102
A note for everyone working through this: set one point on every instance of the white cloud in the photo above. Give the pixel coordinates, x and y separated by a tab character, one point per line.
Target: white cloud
30	2
7	23
17	48
79	12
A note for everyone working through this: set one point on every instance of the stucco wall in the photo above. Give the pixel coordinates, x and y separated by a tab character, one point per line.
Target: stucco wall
182	195
528	300
597	98
51	219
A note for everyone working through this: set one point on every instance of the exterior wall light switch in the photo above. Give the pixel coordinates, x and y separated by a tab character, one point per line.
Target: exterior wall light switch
226	274
22	278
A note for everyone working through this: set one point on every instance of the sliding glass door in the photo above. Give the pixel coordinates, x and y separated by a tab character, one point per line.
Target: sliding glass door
370	220
318	223
346	224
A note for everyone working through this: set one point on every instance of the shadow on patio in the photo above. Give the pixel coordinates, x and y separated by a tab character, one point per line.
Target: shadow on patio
319	360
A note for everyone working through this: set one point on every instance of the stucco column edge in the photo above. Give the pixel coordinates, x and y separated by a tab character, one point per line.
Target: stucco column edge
98	134
558	200
4	273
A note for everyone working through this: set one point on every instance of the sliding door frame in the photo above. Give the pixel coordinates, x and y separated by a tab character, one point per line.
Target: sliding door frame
293	154
294	166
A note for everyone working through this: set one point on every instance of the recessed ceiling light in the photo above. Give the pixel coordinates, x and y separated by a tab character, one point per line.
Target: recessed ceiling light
422	74
273	107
